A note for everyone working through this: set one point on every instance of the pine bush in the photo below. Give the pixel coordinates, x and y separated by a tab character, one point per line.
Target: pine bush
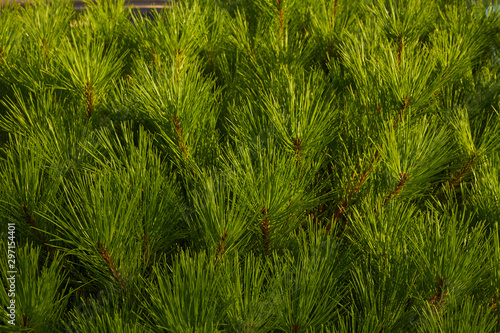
251	166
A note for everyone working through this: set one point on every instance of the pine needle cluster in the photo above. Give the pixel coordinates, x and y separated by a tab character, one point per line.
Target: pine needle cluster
251	166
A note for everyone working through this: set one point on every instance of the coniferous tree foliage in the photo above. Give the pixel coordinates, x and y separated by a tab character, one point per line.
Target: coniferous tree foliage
251	166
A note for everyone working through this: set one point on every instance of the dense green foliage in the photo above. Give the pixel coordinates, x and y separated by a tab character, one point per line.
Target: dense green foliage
252	166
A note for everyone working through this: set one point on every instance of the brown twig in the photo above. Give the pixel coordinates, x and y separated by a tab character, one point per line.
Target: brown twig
221	245
29	219
44	46
25	320
463	172
297	148
404	105
179	135
281	14
494	303
438	298
265	229
402	181
111	265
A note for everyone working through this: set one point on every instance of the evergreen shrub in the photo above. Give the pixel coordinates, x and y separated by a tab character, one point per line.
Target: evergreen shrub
251	166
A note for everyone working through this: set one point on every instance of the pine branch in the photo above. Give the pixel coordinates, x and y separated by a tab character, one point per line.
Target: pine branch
339	212
391	54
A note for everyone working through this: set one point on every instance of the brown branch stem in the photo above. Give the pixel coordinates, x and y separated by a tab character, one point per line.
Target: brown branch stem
404	178
265	229
463	172
111	265
221	245
281	15
438	298
297	148
179	135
